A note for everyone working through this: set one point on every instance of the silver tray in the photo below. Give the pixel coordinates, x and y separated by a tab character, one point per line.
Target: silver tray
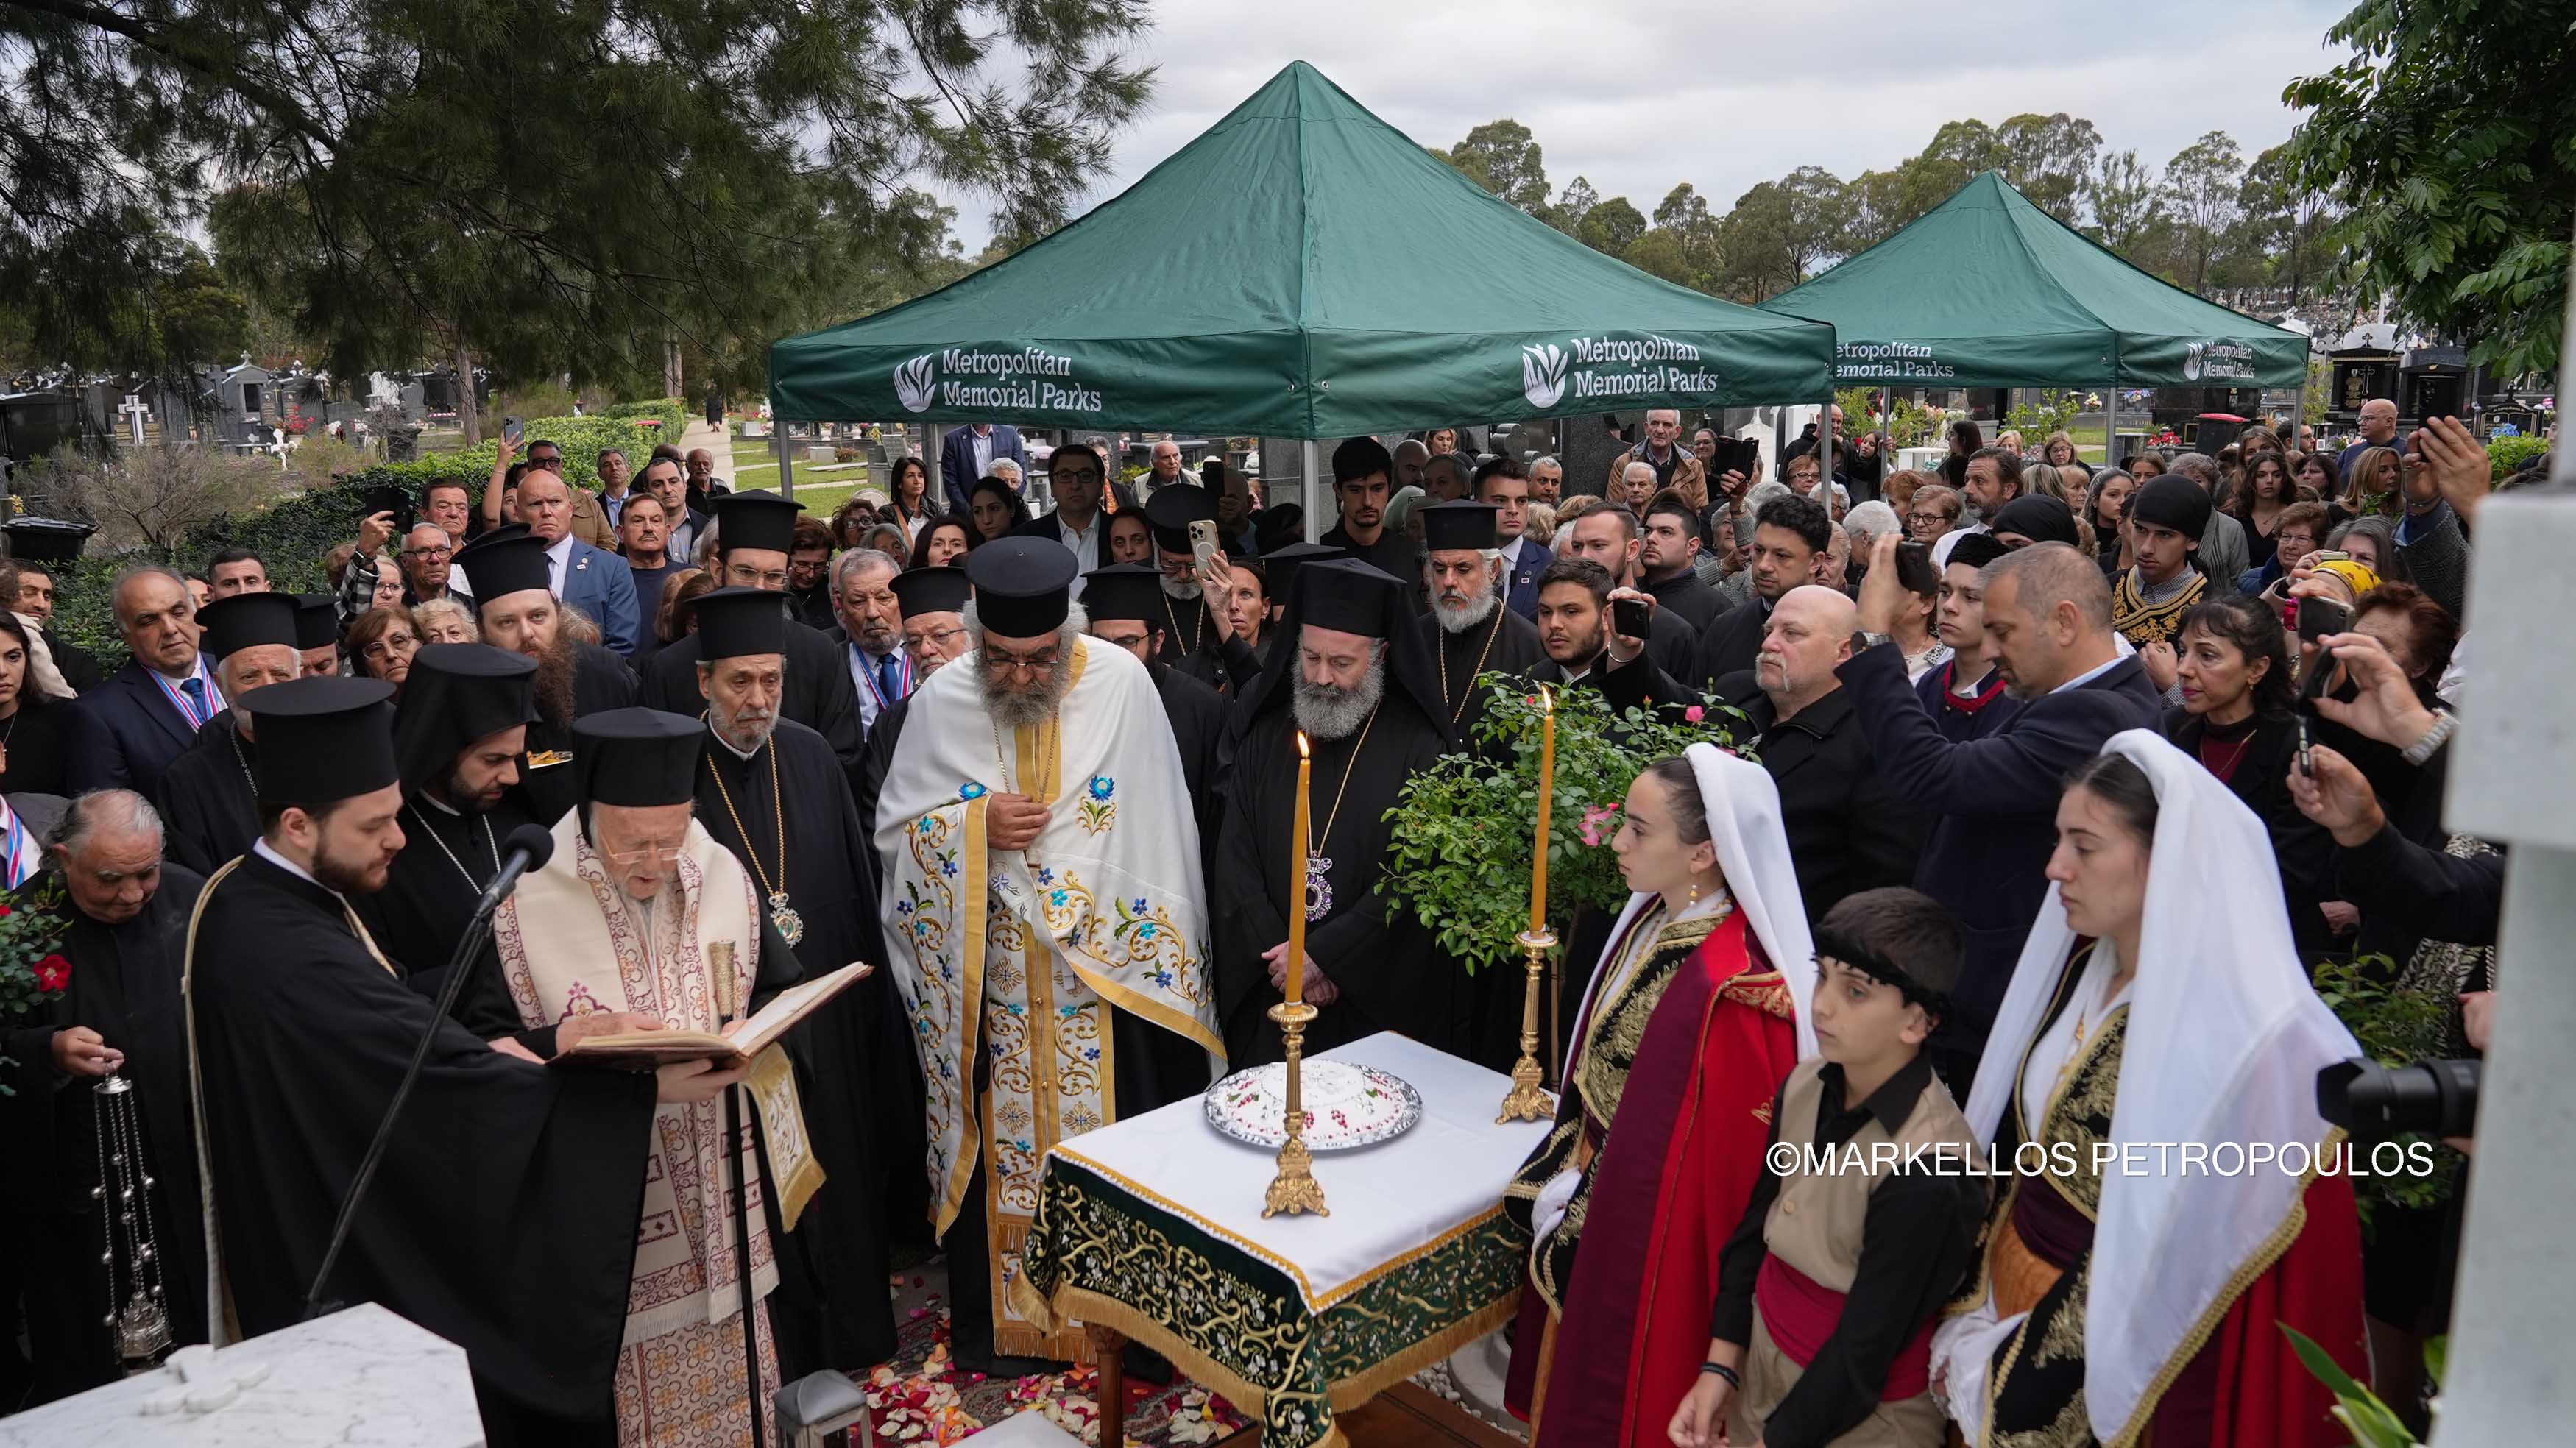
1326	1089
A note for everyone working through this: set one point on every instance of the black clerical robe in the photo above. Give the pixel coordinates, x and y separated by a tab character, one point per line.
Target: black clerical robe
503	1216
1198	717
600	680
205	798
817	694
447	858
1393	554
124	985
1390	974
875	758
1506	642
858	1078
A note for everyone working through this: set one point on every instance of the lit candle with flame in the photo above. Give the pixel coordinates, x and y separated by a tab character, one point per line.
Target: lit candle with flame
1297	851
1546	802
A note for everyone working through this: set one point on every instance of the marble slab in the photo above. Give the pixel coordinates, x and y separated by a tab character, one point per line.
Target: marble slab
358	1377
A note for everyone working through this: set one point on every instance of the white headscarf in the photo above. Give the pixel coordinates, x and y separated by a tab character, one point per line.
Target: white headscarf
2225	1039
1753	854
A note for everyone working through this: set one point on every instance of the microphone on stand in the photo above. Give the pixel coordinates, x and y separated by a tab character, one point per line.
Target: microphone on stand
527	848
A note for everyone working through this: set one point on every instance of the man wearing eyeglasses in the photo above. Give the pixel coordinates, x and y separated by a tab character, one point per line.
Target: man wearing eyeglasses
1076	476
428	571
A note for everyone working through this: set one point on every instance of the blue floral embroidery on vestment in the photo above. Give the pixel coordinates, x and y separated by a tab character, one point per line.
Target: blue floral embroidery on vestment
970	790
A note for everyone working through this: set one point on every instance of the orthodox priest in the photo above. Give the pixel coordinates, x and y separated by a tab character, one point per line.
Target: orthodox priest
207	807
1042	871
299	1031
518	611
458	737
1694	1016
933	608
1468	630
755	535
1198	638
642	914
317	632
818	875
1348	676
114	1028
1125	604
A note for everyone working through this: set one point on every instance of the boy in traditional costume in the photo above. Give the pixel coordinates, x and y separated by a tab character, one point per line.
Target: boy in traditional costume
1829	1288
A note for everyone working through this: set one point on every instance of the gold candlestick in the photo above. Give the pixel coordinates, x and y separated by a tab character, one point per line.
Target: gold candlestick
1295	1189
1525	1101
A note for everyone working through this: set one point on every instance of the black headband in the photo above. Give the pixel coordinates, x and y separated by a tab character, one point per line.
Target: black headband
1879	968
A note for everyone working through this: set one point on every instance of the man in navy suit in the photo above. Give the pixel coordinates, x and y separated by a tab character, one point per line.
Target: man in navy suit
598	583
1075	476
1503	482
1993	801
148	713
967	453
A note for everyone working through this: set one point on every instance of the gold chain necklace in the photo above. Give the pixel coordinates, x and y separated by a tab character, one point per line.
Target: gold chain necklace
1198	625
791	926
1319	867
1460	711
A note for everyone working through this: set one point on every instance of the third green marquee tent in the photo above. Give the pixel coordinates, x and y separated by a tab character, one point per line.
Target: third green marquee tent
1987	290
1301	270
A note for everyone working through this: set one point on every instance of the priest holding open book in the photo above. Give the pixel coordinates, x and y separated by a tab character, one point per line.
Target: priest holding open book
641	911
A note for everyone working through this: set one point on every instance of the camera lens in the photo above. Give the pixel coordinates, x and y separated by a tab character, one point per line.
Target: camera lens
2375	1102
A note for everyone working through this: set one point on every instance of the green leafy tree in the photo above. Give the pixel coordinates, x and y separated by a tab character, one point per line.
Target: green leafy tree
2123	193
2048	158
2201	186
1754	239
2449	141
546	187
1573	204
1612	226
1875	209
2283	225
1502	157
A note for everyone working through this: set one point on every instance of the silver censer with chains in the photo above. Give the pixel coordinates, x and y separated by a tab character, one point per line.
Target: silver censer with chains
142	1321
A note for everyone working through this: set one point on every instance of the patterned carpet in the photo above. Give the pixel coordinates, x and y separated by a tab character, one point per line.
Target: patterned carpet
922	1399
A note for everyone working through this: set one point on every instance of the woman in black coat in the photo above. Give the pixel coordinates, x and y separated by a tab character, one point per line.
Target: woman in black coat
2237	719
31	720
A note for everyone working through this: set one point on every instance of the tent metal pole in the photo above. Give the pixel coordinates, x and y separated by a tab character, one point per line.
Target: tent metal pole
1312	491
786	464
2111	426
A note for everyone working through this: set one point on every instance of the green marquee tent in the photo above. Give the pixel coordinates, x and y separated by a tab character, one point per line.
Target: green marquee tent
1301	270
1987	290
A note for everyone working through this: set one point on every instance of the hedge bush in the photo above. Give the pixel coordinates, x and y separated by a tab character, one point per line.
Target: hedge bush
581	438
2504	454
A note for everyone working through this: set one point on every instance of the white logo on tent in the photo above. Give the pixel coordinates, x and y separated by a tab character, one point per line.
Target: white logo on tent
1542	375
2192	357
912	383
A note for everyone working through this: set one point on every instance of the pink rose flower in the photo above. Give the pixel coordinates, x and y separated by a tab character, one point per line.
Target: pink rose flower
1694	713
1593	818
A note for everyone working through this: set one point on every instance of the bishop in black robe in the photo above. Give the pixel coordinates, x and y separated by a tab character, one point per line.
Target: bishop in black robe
1382	960
819	694
125	986
205	800
1505	643
857	1075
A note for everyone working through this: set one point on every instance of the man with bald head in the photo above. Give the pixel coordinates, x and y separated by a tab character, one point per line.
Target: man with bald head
590	579
427	561
137	723
1410	455
1848	824
1665	452
1992	801
2378	429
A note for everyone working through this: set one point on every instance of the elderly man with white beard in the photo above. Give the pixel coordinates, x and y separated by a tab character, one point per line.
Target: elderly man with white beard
1468	631
1350	677
1045	919
817	876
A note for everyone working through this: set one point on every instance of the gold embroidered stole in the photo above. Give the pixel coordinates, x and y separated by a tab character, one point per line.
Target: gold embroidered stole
2142	622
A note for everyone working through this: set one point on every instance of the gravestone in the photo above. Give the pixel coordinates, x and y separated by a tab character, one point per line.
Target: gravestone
1588	449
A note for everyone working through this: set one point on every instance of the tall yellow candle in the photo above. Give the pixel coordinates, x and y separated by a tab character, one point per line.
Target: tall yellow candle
1546	803
1297	850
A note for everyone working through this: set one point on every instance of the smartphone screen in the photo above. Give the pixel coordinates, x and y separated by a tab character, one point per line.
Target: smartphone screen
1631	618
2319	617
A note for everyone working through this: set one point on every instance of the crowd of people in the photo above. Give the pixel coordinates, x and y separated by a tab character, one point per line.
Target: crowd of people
2024	761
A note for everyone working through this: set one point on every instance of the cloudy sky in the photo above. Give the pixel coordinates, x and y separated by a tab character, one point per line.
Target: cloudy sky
1638	95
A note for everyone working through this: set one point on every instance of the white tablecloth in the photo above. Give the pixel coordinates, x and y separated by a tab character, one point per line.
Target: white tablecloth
1389	1202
